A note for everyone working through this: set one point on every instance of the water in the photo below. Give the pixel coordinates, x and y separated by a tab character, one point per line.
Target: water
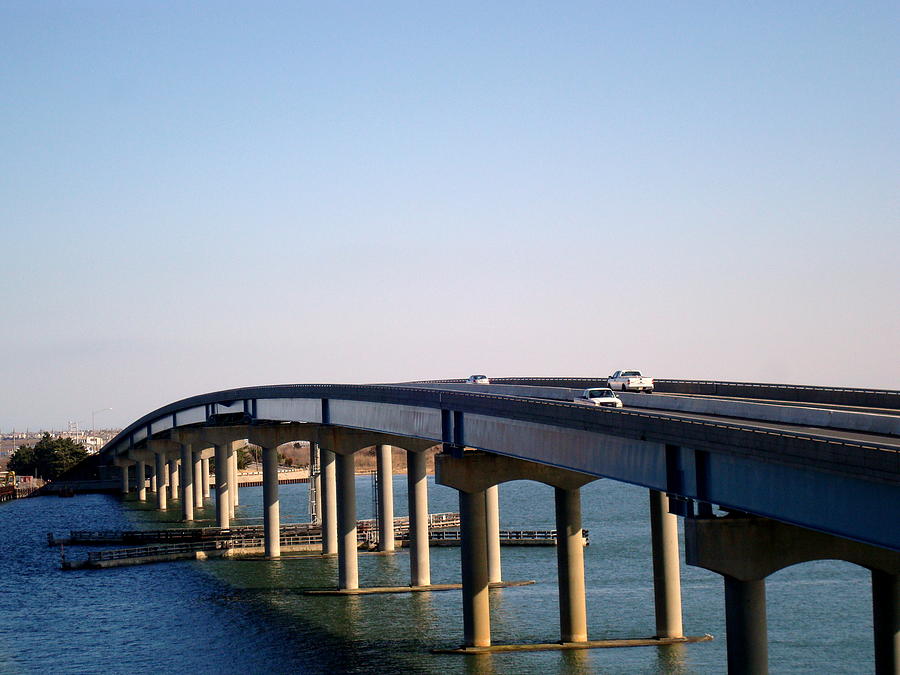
231	616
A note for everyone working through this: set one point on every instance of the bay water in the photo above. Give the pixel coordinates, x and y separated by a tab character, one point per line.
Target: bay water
252	616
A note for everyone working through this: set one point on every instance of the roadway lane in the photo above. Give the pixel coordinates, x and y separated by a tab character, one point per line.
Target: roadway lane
798	404
820	432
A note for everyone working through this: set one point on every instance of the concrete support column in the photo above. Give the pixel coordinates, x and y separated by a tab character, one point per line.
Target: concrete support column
417	493
198	480
153	481
492	515
570	566
223	499
162	480
187	483
205	476
271	512
474	562
666	573
886	622
140	476
745	625
314	450
329	503
385	473
348	567
232	478
124	469
745	550
174	480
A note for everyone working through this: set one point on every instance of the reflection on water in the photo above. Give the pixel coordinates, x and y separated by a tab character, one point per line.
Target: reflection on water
479	664
250	616
578	661
672	659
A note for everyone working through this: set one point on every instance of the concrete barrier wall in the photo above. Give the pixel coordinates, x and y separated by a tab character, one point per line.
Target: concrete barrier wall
767	412
763	412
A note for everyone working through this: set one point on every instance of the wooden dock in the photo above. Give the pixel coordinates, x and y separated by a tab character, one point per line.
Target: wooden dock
200	543
507	538
366	530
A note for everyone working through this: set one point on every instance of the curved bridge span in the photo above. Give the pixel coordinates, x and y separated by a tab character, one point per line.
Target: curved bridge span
803	473
745	464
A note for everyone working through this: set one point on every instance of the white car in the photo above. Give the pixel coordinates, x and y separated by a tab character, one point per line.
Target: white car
600	396
630	380
478	379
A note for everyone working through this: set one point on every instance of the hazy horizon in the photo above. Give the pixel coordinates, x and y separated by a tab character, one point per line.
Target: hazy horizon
198	197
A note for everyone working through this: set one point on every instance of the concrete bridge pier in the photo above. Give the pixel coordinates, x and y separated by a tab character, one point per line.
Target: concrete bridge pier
745	550
344	444
746	626
315	462
348	563
223	499
269	438
886	621
271	505
492	532
123	478
209	442
385	477
232	476
570	566
152	467
204	475
472	475
197	470
174	479
143	460
140	478
162	480
187	484
329	502
161	450
475	572
417	495
666	572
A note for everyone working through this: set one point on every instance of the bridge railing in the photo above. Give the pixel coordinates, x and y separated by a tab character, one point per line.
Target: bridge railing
506	535
148	551
247	540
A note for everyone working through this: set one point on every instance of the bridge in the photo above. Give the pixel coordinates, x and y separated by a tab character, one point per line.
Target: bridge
764	475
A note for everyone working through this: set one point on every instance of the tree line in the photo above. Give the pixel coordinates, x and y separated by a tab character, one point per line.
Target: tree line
49	458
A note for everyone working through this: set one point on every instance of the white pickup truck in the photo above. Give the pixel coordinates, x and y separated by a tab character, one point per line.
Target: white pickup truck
630	380
599	396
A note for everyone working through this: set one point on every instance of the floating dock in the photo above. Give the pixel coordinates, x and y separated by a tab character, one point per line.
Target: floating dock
200	543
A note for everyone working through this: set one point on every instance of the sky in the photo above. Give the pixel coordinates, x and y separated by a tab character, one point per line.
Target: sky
196	196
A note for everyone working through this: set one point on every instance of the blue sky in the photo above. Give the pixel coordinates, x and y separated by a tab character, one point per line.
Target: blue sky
196	196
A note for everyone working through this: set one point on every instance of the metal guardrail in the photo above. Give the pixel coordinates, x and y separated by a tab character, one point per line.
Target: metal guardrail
506	535
192	534
849	396
247	540
401	523
149	551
